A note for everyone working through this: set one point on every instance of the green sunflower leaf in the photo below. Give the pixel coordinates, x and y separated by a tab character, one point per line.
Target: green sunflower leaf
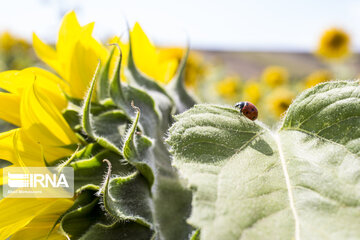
176	86
92	170
170	199
300	182
87	221
136	151
128	198
164	104
118	230
112	125
86	211
123	95
103	85
86	120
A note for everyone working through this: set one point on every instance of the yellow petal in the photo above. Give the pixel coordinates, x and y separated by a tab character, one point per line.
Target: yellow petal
76	56
100	51
47	54
48	84
68	35
16	213
10	82
42	121
10	108
40	226
144	52
167	70
6	145
39	233
171	53
49	76
51	85
157	64
86	54
3	180
16	148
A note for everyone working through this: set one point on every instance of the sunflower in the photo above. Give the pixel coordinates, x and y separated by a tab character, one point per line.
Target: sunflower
195	67
334	44
229	87
317	77
15	52
275	76
252	91
9	42
279	101
33	102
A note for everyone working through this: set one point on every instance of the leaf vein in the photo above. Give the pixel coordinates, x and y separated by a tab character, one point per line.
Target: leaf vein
337	123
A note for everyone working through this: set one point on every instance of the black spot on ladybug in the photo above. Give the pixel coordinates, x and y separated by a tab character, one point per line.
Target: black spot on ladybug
248	110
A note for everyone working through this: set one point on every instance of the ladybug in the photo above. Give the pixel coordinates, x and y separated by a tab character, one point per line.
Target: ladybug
248	110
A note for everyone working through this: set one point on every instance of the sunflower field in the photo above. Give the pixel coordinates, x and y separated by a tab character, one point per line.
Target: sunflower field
166	143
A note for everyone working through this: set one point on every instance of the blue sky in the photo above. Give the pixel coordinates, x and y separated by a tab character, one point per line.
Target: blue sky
264	25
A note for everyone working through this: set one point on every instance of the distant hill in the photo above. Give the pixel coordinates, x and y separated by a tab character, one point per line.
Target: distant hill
251	64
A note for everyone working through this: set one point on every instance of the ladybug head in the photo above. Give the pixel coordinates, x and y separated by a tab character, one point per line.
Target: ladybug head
240	105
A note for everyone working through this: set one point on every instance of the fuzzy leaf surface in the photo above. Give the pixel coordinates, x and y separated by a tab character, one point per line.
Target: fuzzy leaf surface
128	198
301	182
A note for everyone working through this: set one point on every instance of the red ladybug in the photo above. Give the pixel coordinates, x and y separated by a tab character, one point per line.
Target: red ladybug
248	109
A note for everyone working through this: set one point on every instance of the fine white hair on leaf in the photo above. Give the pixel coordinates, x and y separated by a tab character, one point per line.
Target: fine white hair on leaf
106	178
